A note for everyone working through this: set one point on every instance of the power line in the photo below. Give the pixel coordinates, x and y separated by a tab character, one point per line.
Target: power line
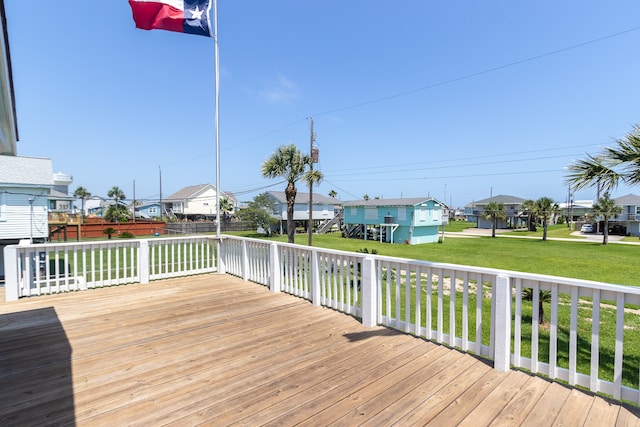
446	82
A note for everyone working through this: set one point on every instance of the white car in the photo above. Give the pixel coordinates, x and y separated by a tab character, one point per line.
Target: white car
587	228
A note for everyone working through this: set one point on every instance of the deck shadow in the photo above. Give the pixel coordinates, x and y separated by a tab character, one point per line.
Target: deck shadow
35	370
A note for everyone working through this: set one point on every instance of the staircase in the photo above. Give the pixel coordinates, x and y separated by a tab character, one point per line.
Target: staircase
326	226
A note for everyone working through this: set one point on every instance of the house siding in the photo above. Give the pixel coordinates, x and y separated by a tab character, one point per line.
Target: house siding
416	223
16	214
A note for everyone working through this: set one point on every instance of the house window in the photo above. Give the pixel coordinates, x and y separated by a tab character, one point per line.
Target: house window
370	213
354	211
422	214
402	214
637	210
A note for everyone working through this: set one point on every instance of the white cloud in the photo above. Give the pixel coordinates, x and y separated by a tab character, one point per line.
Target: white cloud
282	90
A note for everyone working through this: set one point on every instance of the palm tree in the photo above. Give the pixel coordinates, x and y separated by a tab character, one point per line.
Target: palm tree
333	193
365	197
614	164
116	194
226	207
543	297
528	207
82	194
289	163
494	211
606	208
545	209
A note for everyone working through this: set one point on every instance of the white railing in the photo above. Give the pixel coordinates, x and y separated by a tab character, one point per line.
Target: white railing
49	268
586	340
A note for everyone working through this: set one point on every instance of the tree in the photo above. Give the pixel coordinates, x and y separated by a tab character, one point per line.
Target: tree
289	163
116	213
333	193
494	211
365	197
82	194
612	165
259	213
543	297
528	206
545	209
606	208
226	207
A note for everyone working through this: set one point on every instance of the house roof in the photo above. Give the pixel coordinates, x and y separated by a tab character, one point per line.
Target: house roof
504	199
16	170
58	195
318	199
628	200
188	192
406	201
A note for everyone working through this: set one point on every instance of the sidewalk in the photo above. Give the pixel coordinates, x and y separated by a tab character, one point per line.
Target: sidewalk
583	237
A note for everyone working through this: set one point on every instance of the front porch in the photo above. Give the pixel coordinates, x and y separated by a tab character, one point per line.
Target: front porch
218	350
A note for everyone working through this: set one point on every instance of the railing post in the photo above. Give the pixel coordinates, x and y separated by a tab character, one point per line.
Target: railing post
221	262
144	262
11	273
274	267
502	356
369	292
315	278
245	262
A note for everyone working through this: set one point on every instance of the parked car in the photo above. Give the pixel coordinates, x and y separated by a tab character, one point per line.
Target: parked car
587	228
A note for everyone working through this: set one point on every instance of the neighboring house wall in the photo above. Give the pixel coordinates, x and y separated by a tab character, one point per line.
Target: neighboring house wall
23	213
630	216
323	207
474	212
403	220
194	200
25	183
150	211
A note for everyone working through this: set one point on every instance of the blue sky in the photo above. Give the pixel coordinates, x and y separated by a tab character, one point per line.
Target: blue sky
457	100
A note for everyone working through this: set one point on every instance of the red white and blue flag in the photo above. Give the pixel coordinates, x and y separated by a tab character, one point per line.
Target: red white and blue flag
182	16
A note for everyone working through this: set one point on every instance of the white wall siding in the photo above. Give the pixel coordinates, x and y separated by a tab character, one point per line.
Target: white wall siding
18	220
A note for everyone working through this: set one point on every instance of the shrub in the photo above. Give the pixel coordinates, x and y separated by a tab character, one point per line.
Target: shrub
109	231
126	235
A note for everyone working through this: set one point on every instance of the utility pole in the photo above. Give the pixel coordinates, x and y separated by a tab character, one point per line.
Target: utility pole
314	159
161	208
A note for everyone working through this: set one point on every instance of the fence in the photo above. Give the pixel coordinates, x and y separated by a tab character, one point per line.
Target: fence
590	340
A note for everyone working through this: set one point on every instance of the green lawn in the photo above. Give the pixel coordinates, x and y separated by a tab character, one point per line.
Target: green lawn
613	263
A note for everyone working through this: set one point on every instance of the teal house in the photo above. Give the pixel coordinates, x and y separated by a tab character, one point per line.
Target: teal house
405	220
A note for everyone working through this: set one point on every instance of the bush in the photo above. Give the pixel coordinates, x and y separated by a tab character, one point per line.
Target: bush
126	235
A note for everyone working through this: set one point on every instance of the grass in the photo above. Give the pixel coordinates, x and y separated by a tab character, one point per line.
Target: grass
612	263
590	260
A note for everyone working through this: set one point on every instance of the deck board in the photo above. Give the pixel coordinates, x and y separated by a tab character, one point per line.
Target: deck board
214	350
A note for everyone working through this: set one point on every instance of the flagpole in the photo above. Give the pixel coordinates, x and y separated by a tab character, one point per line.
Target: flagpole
217	117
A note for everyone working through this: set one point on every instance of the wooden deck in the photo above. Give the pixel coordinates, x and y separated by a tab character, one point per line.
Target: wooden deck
215	350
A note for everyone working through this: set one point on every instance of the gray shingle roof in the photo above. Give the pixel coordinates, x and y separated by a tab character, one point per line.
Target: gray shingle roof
505	200
304	198
405	201
628	200
26	171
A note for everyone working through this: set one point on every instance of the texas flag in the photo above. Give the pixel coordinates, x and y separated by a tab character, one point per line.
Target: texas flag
183	16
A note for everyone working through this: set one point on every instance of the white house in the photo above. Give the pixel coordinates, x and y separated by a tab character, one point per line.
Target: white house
194	202
323	208
25	183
